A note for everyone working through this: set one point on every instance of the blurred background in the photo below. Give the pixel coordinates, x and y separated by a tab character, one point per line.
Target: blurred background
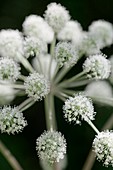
79	138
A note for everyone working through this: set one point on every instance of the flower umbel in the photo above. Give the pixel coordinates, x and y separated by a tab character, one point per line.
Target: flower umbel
65	54
11	120
103	147
78	108
37	86
56	16
51	146
9	69
97	67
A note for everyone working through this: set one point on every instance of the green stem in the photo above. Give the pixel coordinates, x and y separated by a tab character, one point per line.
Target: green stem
26	104
9	157
50	113
15	86
52	47
71	80
93	126
25	63
104	100
61	74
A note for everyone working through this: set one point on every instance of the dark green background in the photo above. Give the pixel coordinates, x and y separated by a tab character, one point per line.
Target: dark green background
79	138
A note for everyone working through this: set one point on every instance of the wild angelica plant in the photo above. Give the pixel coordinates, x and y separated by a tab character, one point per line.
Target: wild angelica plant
55	44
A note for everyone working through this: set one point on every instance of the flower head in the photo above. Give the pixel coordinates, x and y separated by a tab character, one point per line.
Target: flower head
11	43
88	46
34	46
56	16
103	147
102	31
78	108
37	86
35	26
11	120
97	67
65	54
71	32
51	146
9	69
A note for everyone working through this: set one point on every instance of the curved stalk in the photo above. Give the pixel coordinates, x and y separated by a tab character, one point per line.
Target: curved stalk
9	157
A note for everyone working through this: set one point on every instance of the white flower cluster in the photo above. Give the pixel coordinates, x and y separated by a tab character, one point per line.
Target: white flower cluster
103	147
56	16
97	67
9	69
71	32
65	54
34	47
102	32
37	86
78	108
11	120
35	26
51	146
11	43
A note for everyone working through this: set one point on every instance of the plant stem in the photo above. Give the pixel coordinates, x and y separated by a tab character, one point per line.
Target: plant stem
26	104
52	47
61	74
25	63
15	86
71	80
50	113
93	126
9	157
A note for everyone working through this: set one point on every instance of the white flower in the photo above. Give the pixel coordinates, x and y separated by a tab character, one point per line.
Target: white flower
7	94
78	108
99	89
72	31
102	31
87	45
11	43
34	46
103	147
97	67
37	86
9	69
11	120
56	16
51	146
65	54
35	26
45	64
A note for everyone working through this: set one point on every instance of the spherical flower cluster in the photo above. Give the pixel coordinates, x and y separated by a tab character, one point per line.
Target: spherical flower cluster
11	120
88	46
103	147
78	108
11	43
34	47
71	32
51	146
9	69
99	89
97	67
37	86
102	31
56	16
65	54
35	26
